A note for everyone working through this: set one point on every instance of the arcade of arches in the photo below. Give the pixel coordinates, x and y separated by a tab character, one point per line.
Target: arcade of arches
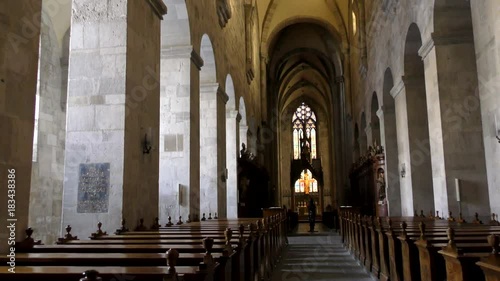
139	109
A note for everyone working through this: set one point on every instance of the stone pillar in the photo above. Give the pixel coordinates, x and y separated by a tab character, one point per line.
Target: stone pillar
194	141
243	136
209	166
456	138
263	86
19	45
414	145
222	99
369	137
232	131
486	29
389	142
111	165
175	126
399	95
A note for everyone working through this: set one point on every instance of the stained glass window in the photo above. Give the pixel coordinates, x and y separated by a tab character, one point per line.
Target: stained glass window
306	184
304	131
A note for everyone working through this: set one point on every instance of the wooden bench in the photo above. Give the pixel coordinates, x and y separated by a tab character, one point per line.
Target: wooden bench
413	255
251	256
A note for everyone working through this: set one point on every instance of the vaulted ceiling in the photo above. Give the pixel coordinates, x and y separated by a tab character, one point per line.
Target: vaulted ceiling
304	42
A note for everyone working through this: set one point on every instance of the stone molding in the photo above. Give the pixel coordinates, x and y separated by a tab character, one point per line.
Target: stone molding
222	95
209	87
232	114
223	12
380	113
398	88
196	59
176	52
368	128
339	79
238	117
426	48
158	7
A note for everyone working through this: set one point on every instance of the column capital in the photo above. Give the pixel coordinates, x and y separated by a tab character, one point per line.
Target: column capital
209	87
398	88
380	112
175	52
158	7
426	48
222	95
232	114
368	128
196	59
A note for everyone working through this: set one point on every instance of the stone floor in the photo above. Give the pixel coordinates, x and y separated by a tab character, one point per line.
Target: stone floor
317	256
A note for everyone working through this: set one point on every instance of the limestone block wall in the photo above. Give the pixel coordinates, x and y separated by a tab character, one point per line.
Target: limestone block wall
19	37
208	150
486	27
174	133
96	113
114	83
446	79
175	119
232	153
229	58
48	162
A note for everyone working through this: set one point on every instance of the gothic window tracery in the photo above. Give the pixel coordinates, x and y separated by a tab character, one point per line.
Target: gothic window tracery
304	132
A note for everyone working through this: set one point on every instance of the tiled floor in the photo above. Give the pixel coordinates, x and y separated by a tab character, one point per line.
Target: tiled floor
319	256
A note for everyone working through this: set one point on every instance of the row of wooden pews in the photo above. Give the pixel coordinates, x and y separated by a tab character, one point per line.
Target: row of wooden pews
426	248
225	250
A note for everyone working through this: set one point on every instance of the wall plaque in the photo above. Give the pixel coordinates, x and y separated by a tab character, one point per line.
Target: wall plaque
93	188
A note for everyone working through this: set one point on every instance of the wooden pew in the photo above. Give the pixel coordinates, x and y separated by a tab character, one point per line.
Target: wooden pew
491	264
255	252
398	257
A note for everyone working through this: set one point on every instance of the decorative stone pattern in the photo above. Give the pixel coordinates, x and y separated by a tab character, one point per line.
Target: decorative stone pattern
93	188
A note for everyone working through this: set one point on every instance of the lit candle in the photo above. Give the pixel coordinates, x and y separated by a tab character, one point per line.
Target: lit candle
457	187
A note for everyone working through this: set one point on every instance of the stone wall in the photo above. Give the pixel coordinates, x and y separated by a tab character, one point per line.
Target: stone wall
112	155
388	25
50	127
175	119
486	28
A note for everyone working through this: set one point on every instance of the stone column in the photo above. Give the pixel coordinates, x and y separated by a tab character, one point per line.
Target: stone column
369	137
413	144
399	94
194	141
112	156
389	142
343	147
243	136
19	45
175	125
486	29
222	99
232	131
456	138
210	172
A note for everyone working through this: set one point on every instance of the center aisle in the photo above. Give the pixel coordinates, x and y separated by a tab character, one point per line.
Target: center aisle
318	256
